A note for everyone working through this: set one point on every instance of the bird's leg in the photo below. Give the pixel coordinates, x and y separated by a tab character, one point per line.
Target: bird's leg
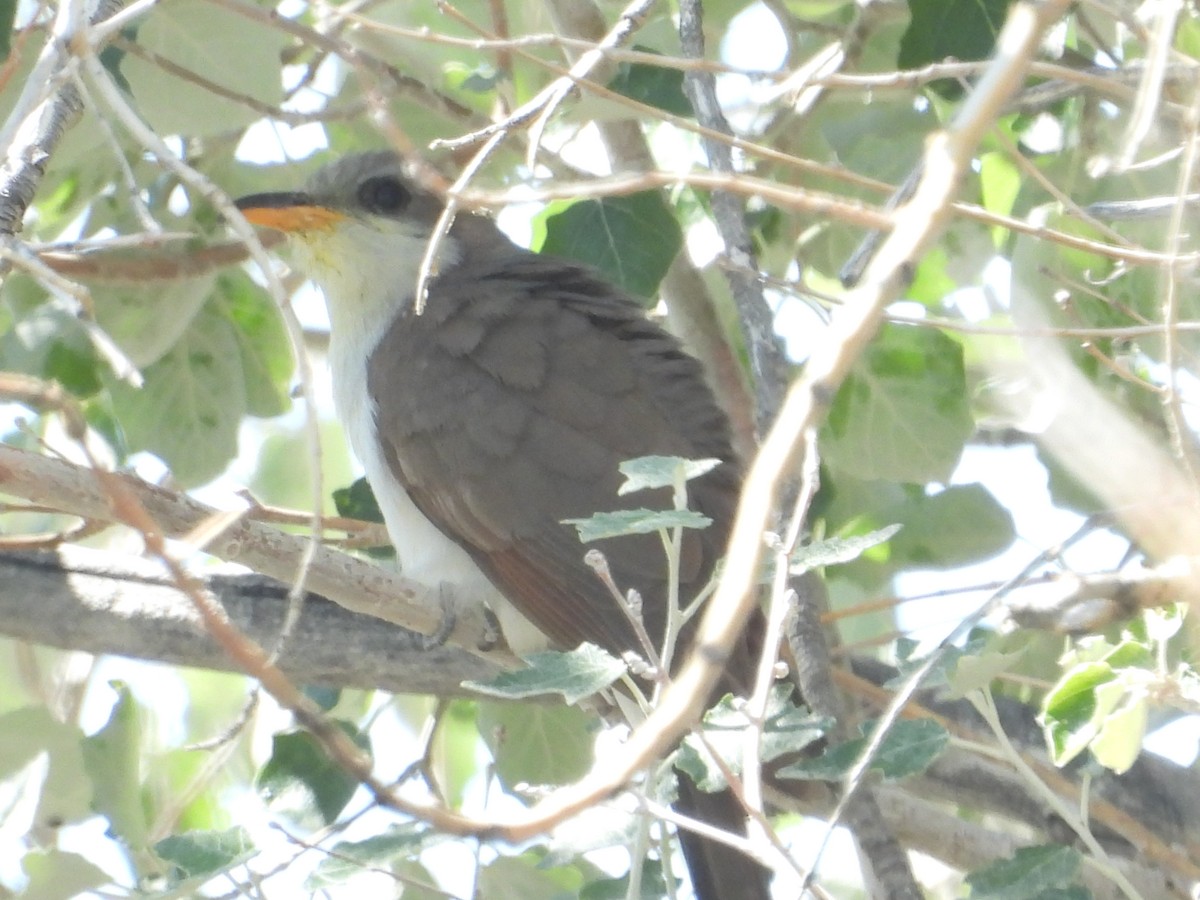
446	625
493	633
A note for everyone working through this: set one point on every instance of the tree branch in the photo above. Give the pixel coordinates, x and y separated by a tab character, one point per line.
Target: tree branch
350	582
30	138
80	599
767	359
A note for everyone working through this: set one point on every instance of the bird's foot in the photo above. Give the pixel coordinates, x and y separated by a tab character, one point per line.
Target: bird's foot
446	625
492	634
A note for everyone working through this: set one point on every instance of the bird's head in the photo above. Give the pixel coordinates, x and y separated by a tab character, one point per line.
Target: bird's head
360	228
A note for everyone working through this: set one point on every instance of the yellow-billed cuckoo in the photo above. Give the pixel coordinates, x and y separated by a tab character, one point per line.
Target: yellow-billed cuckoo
504	409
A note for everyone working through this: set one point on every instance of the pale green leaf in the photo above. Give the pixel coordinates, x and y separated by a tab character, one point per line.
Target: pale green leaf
1069	710
202	853
537	743
453	753
1119	742
959	525
902	414
193	400
147	318
112	758
834	550
56	874
786	729
999	184
976	671
262	339
1026	875
647	472
520	877
576	674
26	734
908	749
622	522
233	52
347	859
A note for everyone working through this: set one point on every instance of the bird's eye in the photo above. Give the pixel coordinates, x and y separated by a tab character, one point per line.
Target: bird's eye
383	195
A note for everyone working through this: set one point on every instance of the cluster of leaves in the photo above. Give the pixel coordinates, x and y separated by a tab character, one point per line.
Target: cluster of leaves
210	350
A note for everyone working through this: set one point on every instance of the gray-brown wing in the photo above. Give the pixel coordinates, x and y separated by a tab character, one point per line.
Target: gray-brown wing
521	394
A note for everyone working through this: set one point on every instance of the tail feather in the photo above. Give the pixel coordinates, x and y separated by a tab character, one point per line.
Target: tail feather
718	871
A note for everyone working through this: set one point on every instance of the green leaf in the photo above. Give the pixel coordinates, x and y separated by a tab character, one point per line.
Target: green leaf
902	414
1069	710
282	469
653	886
999	185
647	472
1187	37
908	749
520	876
8	14
655	86
454	748
632	240
348	859
67	792
1028	875
262	339
46	340
931	281
146	319
1119	741
76	367
112	56
1100	704
357	502
201	853
855	142
834	550
786	729
1065	489
960	525
938	676
477	79
536	743
976	671
302	784
55	874
237	54
192	403
576	674
962	29
622	522
112	760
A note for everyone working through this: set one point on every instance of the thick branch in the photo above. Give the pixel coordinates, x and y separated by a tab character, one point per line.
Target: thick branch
80	599
349	582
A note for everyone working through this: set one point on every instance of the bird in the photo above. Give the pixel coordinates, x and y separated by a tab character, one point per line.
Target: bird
503	409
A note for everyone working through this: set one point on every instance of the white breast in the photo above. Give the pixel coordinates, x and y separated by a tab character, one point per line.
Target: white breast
360	310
